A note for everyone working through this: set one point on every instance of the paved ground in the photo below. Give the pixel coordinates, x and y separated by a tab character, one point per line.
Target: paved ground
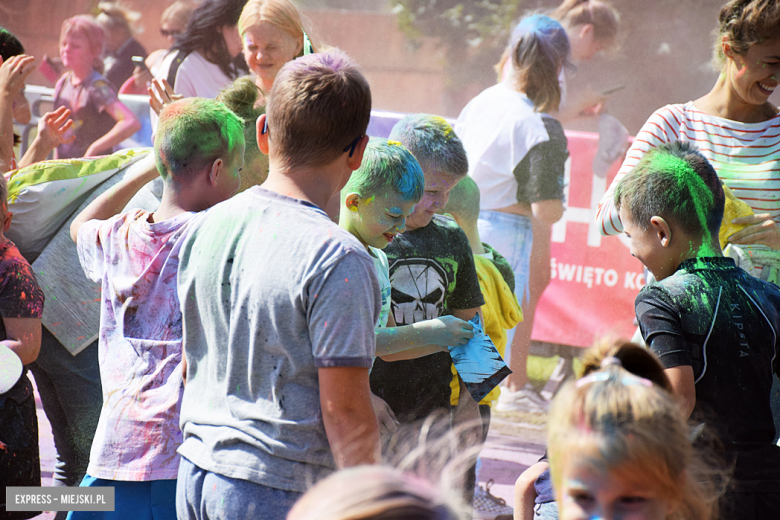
516	441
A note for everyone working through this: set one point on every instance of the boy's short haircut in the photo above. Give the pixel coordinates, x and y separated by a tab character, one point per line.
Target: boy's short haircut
433	142
464	201
674	181
192	133
318	106
387	164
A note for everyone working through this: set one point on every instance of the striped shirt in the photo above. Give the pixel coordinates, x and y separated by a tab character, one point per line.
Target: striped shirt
746	157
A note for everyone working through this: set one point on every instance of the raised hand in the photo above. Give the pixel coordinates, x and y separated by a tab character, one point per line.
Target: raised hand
14	73
161	94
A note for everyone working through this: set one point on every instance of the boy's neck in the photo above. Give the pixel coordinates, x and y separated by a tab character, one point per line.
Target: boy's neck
312	184
345	222
176	202
692	248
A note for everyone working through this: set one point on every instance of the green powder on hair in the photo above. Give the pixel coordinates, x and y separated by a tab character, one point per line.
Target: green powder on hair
700	194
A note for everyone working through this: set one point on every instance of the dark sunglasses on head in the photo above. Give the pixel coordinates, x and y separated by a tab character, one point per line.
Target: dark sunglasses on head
165	33
350	147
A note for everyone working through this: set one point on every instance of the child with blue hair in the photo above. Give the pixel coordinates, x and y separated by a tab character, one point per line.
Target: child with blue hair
432	274
376	202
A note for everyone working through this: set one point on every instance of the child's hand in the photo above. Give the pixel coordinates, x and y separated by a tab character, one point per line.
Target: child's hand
53	126
14	72
449	331
161	94
384	415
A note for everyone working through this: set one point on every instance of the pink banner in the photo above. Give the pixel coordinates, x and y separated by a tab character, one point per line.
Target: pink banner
594	278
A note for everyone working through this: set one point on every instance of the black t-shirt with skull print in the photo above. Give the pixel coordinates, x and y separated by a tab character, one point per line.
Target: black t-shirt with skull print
431	272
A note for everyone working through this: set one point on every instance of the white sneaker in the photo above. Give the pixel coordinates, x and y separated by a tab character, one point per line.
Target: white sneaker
524	400
488	506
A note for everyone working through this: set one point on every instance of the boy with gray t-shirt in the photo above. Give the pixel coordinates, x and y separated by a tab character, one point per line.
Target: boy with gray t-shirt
279	308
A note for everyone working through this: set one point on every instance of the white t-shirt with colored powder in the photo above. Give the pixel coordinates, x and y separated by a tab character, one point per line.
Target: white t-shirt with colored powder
140	346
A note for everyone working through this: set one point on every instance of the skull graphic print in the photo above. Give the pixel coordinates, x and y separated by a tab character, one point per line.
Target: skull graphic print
418	289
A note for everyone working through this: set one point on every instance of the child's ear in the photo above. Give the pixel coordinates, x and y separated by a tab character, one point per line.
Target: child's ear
217	168
662	230
356	160
352	201
586	31
262	134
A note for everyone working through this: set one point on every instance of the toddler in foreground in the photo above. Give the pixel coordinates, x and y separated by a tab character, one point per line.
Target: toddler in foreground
619	445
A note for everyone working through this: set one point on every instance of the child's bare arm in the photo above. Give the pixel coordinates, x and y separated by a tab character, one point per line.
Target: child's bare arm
684	386
116	198
525	492
348	415
422	338
126	125
23	337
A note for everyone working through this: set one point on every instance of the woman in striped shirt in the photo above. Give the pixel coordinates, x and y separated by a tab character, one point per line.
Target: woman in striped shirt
734	125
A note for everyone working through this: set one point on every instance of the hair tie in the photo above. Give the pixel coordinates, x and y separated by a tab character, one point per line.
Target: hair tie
610	360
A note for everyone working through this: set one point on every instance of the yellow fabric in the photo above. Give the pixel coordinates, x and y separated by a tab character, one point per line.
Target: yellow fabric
500	312
734	208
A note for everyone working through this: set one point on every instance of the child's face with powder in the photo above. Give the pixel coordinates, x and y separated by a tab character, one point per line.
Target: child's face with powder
590	493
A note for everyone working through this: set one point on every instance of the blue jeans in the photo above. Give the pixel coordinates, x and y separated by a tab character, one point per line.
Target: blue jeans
141	500
203	495
72	398
513	237
546	511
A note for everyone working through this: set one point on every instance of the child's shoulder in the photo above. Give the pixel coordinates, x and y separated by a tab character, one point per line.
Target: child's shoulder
10	256
446	225
449	233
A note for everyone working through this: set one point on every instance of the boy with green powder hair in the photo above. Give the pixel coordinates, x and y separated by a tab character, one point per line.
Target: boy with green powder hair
713	326
199	151
375	203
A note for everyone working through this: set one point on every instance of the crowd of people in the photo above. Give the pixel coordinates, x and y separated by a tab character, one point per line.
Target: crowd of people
280	296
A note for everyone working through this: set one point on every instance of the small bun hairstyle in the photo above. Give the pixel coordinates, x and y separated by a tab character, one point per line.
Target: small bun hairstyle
620	418
743	23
